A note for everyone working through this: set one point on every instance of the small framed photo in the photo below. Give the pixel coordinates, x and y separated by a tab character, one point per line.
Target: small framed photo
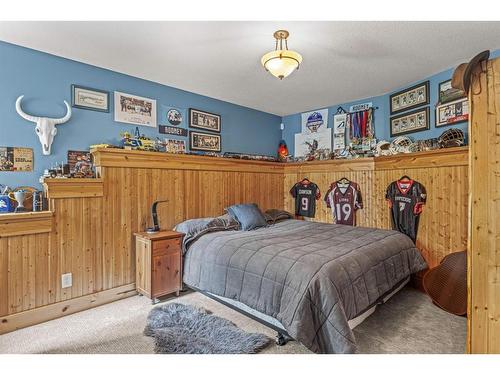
88	98
410	98
448	94
136	110
175	146
204	142
451	113
410	122
204	120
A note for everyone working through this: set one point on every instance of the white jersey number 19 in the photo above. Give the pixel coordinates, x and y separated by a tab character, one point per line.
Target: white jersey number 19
343	209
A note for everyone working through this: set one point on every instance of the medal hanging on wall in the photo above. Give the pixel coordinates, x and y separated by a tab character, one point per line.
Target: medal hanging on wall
361	125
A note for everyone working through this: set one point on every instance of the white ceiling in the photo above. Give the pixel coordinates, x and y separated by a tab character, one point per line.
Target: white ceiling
343	61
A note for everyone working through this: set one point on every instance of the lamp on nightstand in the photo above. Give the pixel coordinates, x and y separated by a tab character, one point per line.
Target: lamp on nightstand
154	216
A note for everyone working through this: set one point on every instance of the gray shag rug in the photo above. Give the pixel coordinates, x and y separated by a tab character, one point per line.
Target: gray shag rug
183	329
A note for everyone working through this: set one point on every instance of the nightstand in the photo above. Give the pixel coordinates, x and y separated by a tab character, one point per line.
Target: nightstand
158	262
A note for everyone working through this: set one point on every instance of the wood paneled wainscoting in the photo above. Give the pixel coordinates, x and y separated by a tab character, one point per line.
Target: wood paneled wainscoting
89	231
484	231
443	224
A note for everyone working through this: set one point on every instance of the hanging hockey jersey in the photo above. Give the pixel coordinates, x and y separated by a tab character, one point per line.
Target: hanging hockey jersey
344	200
305	193
406	199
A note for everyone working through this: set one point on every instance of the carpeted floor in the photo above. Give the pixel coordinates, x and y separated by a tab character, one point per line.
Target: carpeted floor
407	323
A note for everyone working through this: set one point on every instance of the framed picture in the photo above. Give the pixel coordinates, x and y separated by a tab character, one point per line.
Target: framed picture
16	159
204	142
136	110
410	98
451	113
175	146
87	98
448	94
80	164
411	122
204	120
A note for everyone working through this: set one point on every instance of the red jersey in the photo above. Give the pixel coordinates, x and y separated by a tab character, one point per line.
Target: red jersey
344	200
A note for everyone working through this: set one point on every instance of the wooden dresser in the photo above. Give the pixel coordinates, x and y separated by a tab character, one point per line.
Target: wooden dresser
158	263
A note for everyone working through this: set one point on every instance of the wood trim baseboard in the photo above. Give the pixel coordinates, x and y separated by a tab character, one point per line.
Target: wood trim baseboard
42	314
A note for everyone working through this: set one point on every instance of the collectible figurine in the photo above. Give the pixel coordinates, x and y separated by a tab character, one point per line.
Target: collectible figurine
137	142
282	151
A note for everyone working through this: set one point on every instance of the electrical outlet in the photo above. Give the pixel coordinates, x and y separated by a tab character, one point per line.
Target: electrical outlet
66	280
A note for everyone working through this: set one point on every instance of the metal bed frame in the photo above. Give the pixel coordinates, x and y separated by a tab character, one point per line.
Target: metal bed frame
282	336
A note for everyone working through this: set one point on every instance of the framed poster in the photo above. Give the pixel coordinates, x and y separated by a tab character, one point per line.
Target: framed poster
87	98
339	131
320	141
204	120
410	122
16	159
410	98
204	142
136	110
448	94
315	121
451	113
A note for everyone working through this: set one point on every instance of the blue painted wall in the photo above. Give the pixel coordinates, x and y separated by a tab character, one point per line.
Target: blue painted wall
382	114
45	80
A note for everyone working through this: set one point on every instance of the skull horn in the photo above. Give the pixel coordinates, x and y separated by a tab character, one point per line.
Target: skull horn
22	113
62	120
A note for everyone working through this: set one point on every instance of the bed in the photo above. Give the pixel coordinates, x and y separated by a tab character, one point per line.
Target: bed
313	281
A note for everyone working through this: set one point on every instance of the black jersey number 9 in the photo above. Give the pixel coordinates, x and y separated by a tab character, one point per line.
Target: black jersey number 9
305	203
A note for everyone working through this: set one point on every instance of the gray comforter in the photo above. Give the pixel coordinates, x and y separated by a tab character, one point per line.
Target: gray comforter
312	277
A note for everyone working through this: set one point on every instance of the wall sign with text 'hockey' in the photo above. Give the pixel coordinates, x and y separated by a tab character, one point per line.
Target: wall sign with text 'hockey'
173	130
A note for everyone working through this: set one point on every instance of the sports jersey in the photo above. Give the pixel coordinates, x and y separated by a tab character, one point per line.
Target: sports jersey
344	200
305	194
406	199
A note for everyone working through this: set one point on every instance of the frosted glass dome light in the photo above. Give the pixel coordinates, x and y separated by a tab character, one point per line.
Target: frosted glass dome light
281	62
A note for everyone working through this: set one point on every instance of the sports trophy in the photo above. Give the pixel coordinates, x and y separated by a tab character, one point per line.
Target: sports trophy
19	196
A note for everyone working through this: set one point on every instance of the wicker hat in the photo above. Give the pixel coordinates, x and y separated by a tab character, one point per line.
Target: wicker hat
462	75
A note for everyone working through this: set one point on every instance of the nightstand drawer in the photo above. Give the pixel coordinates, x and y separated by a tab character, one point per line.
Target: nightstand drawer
163	247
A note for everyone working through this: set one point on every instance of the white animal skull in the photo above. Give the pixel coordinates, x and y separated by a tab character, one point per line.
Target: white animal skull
45	126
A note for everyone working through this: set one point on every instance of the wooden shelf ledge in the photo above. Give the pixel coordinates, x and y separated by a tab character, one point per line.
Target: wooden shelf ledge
58	188
118	158
446	157
19	224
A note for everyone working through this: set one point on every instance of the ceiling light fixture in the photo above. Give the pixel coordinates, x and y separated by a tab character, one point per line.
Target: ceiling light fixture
281	62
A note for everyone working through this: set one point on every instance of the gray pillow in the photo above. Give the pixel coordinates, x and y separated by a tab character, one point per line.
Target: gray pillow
248	215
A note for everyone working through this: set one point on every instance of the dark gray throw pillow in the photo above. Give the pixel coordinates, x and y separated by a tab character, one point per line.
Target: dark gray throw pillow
274	215
248	215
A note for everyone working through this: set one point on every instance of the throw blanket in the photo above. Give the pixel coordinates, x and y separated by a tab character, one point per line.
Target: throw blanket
312	277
